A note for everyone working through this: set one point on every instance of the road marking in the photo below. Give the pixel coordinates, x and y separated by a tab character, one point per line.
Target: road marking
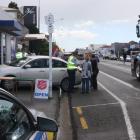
130	130
122	82
83	123
79	110
85	106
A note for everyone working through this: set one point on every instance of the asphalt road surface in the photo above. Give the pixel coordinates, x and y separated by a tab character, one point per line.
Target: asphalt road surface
112	112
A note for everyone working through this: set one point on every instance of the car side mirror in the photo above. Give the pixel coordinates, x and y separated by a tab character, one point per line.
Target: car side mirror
27	66
45	124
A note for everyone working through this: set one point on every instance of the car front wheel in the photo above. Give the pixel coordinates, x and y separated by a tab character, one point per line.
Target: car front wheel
138	71
64	84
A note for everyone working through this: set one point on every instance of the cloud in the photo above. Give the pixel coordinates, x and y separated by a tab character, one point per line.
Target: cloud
118	21
85	24
77	34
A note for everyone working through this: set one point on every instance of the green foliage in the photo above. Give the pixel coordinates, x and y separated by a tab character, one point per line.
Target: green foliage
33	29
37	46
13	5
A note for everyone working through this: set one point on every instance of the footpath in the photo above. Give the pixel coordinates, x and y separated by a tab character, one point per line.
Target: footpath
56	108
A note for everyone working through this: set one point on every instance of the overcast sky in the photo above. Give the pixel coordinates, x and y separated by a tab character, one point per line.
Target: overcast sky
79	23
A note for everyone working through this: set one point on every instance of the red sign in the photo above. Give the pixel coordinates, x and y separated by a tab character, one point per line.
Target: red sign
42	84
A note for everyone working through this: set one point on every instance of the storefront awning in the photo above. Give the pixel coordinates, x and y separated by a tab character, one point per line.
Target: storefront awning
10	25
36	37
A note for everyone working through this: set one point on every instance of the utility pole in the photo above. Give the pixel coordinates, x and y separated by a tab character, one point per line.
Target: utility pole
49	21
39	15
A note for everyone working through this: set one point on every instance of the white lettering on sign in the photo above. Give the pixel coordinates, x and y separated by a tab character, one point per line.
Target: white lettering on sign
41	94
29	11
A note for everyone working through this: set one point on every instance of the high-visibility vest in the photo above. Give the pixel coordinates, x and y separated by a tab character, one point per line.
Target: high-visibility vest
70	64
19	55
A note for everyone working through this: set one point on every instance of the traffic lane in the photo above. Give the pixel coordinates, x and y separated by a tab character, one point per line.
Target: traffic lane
117	63
134	113
93	98
122	67
121	89
120	74
129	95
102	122
98	115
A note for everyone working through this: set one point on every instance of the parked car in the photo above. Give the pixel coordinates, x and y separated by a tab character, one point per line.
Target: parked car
128	58
37	67
113	57
18	123
135	65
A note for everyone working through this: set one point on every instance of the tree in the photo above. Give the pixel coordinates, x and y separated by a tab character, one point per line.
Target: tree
13	5
33	29
37	46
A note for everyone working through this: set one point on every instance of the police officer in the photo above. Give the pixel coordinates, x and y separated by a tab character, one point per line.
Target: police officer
71	69
95	71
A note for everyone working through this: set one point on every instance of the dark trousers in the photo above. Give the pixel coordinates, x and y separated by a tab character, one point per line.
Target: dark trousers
71	74
85	85
94	81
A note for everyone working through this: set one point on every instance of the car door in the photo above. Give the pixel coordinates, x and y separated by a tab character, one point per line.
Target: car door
15	124
36	69
59	71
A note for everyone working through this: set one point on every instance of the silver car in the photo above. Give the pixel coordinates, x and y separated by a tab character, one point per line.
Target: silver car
37	67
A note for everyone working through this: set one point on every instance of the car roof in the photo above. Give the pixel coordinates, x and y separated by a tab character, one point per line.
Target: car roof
44	56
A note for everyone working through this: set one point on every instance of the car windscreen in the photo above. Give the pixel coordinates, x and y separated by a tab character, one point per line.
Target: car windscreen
19	62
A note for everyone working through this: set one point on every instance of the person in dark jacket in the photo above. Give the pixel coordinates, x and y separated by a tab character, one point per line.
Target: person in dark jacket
95	71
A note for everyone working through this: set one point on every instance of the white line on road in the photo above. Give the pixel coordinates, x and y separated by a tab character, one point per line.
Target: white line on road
130	130
122	82
85	106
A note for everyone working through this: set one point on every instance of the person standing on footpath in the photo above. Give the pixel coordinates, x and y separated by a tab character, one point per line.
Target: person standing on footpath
124	56
86	74
71	69
95	71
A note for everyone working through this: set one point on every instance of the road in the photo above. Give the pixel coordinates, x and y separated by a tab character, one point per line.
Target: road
112	112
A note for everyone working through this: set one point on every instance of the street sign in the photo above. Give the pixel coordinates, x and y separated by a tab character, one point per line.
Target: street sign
49	19
41	89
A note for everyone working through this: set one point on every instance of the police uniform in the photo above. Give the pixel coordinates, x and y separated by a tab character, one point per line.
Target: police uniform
71	69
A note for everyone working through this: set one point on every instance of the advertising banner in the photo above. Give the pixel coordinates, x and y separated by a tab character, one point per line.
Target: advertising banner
30	15
41	89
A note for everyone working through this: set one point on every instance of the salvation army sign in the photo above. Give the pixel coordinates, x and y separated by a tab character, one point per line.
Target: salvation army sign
41	88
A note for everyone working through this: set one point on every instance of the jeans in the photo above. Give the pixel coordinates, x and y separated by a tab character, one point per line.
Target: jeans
85	85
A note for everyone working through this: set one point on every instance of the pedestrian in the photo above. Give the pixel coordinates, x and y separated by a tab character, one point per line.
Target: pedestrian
95	71
124	56
86	74
71	69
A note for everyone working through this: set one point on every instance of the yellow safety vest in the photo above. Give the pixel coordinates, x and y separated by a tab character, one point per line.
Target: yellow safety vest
70	64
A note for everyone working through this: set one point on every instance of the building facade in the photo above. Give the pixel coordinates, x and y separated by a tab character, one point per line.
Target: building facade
11	30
